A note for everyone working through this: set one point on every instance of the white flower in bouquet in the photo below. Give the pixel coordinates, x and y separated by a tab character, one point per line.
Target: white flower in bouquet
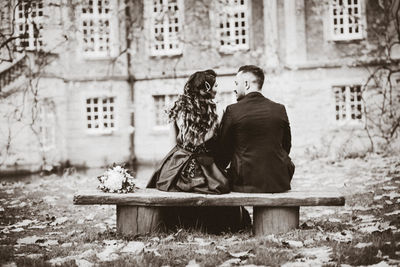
116	180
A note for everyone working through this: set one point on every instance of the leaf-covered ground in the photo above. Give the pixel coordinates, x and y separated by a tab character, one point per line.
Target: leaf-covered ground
39	225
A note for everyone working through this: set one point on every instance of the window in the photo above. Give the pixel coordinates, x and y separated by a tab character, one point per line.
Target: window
233	27
161	104
100	113
166	26
29	24
345	19
96	27
348	102
47	123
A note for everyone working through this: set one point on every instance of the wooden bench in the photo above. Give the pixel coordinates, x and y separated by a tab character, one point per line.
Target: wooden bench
140	212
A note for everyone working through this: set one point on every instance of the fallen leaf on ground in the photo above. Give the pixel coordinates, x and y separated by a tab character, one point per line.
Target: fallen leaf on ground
202	251
152	250
67	245
54	233
41	226
134	247
272	238
155	239
192	263
367	218
169	238
61	260
202	243
90	217
28	240
377	227
23	223
110	242
107	255
83	263
292	243
15	202
59	221
9	264
87	254
308	242
343	237
380	264
311	257
50	242
231	262
361	208
102	226
242	255
50	199
387	188
222	248
232	239
396	212
22	205
34	255
16	230
363	245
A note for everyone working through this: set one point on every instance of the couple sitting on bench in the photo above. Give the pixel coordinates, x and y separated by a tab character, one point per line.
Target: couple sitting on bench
248	151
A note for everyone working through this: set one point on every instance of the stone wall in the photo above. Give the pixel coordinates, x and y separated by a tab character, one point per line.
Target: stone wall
97	149
200	50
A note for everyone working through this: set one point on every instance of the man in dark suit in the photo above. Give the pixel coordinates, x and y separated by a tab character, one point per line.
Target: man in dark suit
254	138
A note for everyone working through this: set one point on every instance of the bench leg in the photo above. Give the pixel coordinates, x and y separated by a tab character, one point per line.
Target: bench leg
133	220
274	220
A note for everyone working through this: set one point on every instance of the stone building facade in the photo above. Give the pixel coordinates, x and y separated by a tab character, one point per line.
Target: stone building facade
117	65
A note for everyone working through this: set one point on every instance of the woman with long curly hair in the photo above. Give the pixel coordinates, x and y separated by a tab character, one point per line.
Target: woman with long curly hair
190	166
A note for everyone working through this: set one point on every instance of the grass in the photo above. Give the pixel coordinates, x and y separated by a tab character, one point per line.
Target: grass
178	248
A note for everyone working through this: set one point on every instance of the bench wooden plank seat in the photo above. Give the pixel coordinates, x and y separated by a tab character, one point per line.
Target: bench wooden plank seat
141	212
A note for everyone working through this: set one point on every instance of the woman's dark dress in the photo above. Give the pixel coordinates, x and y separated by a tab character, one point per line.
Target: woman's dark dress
192	169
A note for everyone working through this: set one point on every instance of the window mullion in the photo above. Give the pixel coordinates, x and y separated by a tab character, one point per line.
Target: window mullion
166	27
346	18
348	103
31	38
101	113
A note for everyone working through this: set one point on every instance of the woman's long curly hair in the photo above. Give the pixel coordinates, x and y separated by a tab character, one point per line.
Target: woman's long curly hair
196	108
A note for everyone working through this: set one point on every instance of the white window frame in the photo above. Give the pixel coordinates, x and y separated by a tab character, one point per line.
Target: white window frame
28	22
152	16
346	35
101	129
47	124
112	18
169	101
347	104
230	8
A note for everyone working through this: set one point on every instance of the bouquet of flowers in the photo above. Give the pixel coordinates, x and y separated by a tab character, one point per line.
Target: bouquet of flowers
116	180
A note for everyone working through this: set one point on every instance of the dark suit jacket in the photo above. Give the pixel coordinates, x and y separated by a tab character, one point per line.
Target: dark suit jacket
254	137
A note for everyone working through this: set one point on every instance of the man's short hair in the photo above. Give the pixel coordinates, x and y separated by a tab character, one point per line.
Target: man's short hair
256	71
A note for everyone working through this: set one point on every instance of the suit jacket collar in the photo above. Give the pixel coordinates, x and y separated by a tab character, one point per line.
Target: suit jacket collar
253	95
